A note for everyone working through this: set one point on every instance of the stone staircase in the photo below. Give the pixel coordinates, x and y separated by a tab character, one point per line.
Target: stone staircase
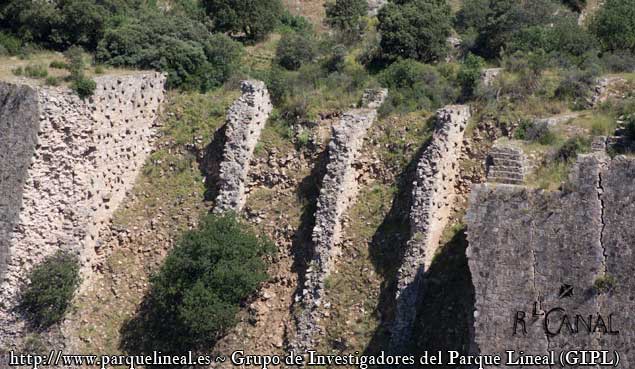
506	165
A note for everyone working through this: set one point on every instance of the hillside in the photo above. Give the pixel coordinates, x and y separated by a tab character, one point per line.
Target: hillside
349	177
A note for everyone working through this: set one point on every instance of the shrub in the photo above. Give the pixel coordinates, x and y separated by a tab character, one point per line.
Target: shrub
57	64
256	19
294	50
416	29
619	62
75	62
605	284
35	71
414	86
346	15
576	86
469	75
11	44
99	69
46	298
337	59
570	149
535	132
84	87
17	71
197	292
52	81
295	23
614	25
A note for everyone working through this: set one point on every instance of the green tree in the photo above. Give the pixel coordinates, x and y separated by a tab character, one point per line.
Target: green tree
195	296
46	298
346	15
416	29
294	50
614	25
470	75
415	86
194	58
255	18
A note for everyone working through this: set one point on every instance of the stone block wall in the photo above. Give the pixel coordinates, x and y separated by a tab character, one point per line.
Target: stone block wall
245	120
87	156
527	248
338	191
433	197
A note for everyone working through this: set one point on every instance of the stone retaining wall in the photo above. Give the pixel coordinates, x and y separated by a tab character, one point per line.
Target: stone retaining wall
245	120
433	196
86	159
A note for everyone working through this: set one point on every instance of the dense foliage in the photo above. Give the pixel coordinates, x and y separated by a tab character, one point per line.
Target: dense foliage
415	86
294	50
46	298
194	58
416	29
614	25
197	292
256	19
346	15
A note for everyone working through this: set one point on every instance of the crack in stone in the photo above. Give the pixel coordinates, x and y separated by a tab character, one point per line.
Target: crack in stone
600	192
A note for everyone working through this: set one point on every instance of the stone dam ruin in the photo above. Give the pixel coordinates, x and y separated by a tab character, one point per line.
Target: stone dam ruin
66	165
534	255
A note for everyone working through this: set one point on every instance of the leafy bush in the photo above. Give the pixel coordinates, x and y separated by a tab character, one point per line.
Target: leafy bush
193	58
52	81
10	44
57	24
346	15
57	64
570	149
534	132
414	86
35	71
196	294
294	50
18	71
99	69
619	62
295	23
256	19
576	86
416	29
605	284
469	75
614	25
84	87
46	298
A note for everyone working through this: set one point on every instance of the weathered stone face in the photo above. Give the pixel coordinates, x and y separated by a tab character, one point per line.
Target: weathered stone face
87	156
18	136
529	248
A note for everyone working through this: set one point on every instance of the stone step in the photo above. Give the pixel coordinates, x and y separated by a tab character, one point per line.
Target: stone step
506	180
507	168
508	163
505	151
505	174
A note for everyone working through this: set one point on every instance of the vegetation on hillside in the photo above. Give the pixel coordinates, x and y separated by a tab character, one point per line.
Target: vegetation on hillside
195	296
46	298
